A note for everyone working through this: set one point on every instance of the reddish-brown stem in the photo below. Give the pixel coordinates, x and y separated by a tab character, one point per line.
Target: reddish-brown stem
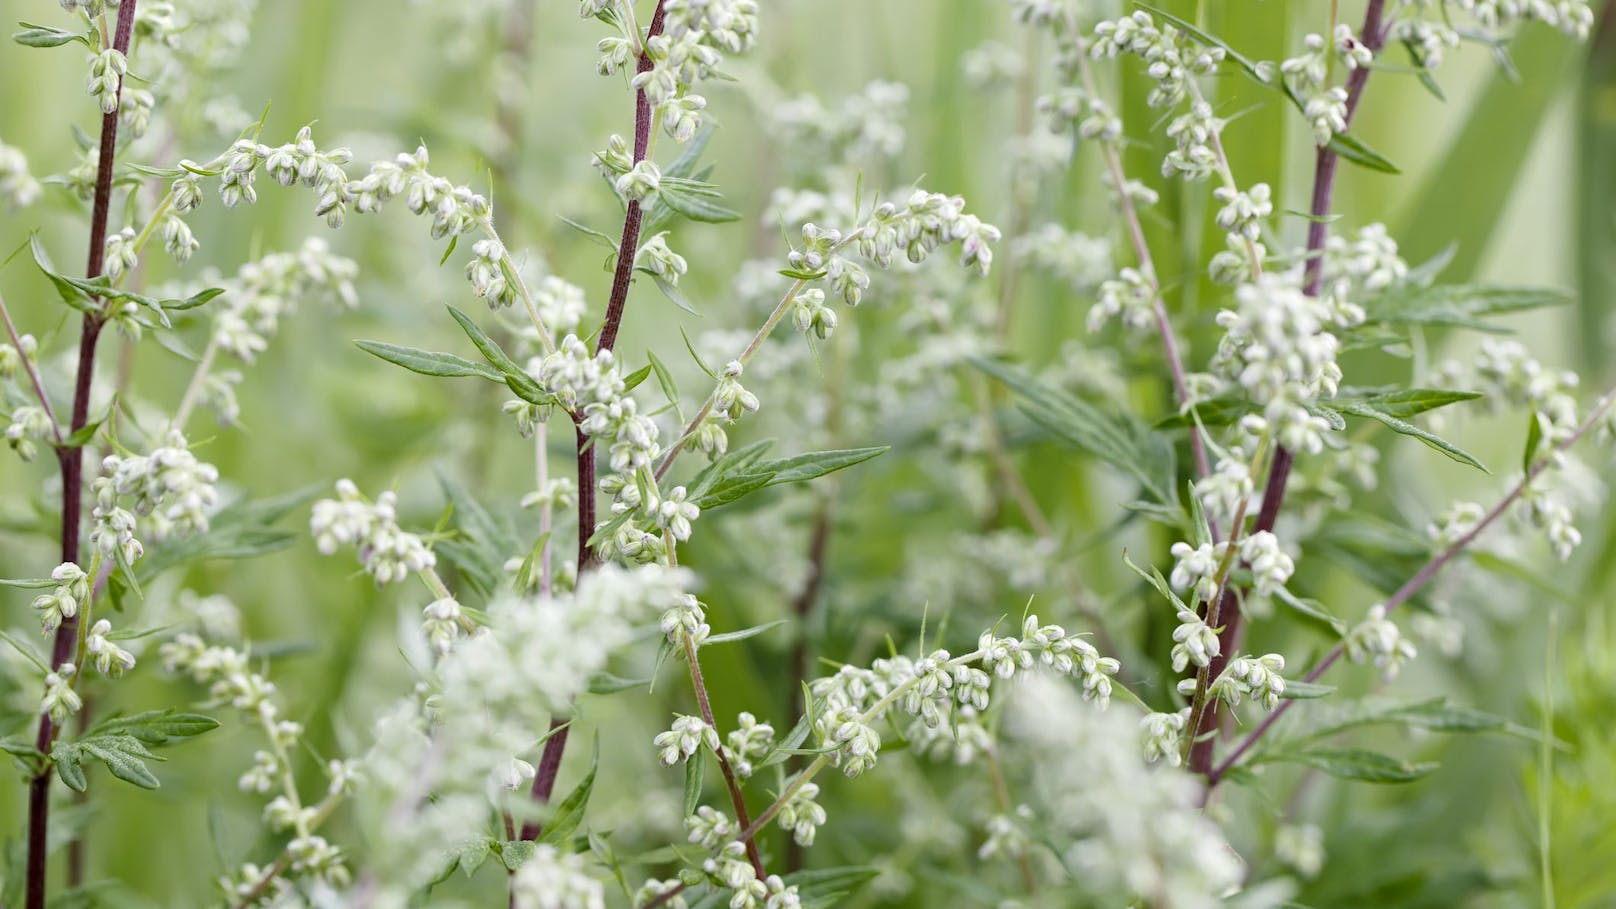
736	799
550	761
1414	585
71	462
630	244
1326	162
801	607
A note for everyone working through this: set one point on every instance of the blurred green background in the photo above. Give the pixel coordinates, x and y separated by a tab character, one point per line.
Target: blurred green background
1513	168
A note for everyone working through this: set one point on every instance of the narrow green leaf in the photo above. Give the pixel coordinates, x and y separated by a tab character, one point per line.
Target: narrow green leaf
633	379
428	362
827	883
592	234
26	649
696	356
1408	402
684	198
815	464
516	378
672	292
743	634
28	583
193	301
606	683
1114	439
46	36
1353	764
1298	690
1461	305
69	766
1403	427
732	489
157	727
1534	439
1353	149
124	756
664	378
570	813
694	766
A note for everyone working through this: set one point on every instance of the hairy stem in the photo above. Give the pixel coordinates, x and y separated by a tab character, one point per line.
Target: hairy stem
71	461
1326	162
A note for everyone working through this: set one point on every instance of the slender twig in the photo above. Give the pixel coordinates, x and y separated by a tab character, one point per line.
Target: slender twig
1417	582
1373	36
550	761
33	372
1147	268
769	324
1001	792
71	461
736	799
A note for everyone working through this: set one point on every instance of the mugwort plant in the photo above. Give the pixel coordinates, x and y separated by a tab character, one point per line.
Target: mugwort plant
1094	573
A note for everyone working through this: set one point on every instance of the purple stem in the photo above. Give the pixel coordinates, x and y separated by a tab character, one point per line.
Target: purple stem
550	761
71	461
1326	162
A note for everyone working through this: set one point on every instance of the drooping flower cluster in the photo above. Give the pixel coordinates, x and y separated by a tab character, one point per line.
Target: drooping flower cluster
170	488
231	680
1377	639
387	552
851	702
271	288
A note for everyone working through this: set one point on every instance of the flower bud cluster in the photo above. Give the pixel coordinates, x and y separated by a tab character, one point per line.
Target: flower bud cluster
934	688
681	741
1161	736
271	288
105	78
1573	17
1279	348
749	741
72	591
110	659
387	552
61	701
1377	639
695	37
1255	677
29	425
18	188
1506	372
1358	268
170	488
1309	77
1172	58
